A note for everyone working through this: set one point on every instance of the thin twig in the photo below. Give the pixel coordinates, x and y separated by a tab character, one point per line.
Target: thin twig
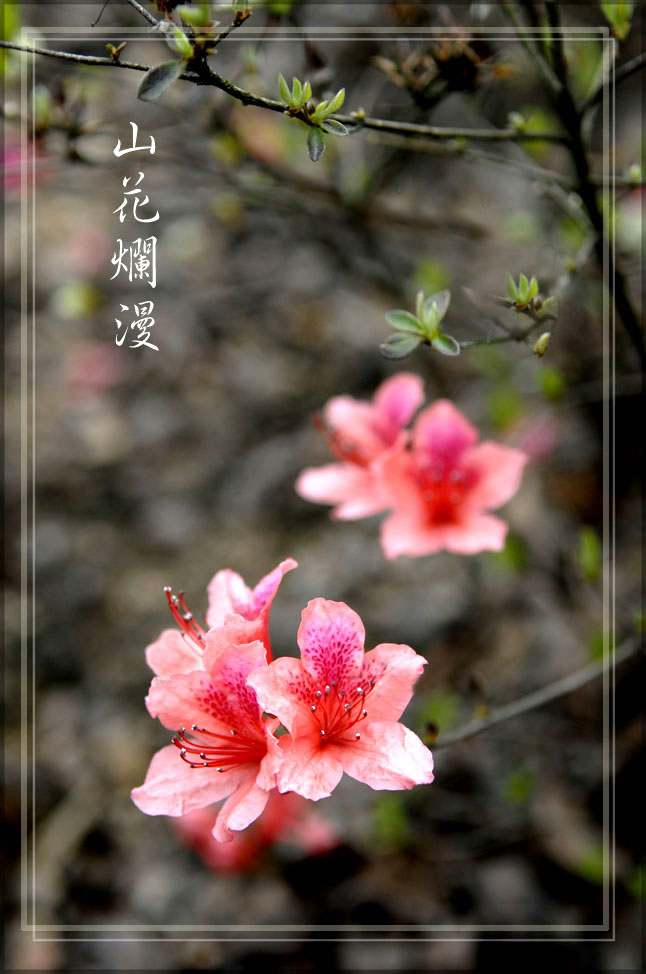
543	68
539	698
356	121
144	13
621	73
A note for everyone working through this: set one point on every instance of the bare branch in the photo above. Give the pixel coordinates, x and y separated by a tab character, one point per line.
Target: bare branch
540	697
144	13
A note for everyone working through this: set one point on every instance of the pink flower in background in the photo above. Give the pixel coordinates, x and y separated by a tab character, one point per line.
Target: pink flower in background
230	751
287	819
12	166
440	488
359	433
342	707
242	612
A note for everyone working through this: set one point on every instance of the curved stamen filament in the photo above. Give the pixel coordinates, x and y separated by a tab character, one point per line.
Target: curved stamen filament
231	751
187	623
337	711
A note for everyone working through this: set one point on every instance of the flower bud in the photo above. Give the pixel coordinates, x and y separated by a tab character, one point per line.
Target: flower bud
540	346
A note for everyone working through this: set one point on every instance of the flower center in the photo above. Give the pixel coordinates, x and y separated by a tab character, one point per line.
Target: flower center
206	749
337	711
444	487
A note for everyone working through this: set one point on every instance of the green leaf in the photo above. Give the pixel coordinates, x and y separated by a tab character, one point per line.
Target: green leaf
404	321
182	44
307	92
319	112
195	16
285	93
519	786
446	344
315	144
442	708
441	300
399	346
297	91
523	289
157	80
419	304
533	288
333	127
336	102
391	822
588	554
512	290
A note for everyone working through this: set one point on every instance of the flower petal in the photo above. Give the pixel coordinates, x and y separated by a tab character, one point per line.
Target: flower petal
397	399
266	589
193	698
242	808
358	423
387	756
442	433
478	532
499	470
172	653
395	670
172	787
309	769
229	665
404	534
331	638
284	688
353	488
228	594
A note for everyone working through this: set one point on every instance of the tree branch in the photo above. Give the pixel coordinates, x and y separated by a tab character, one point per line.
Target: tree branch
357	121
539	698
144	13
621	73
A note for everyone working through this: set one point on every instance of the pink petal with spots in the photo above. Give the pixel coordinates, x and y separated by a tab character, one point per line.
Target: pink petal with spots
243	807
395	670
499	471
388	756
354	489
192	698
442	433
397	399
173	788
231	602
172	654
308	769
331	638
284	689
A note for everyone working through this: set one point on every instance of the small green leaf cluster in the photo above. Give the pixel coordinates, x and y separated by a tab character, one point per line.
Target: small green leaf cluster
197	15
298	97
618	16
524	296
422	328
321	114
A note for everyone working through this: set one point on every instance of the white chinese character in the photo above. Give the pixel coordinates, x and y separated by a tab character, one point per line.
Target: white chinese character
118	151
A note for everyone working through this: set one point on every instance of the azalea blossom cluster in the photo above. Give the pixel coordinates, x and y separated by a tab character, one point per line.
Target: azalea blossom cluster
227	700
437	481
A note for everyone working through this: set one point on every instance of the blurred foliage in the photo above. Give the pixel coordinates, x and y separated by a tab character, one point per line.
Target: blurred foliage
588	554
519	786
591	864
504	406
512	560
431	275
392	828
551	383
442	709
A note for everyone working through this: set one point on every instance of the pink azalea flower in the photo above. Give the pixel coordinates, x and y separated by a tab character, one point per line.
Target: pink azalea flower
286	819
440	489
243	612
342	707
229	752
357	434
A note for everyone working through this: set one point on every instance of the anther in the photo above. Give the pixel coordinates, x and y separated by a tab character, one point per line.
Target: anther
203	755
167	588
319	694
220	770
364	713
194	727
334	682
233	733
327	691
342	693
313	708
372	683
357	737
322	733
360	691
346	707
